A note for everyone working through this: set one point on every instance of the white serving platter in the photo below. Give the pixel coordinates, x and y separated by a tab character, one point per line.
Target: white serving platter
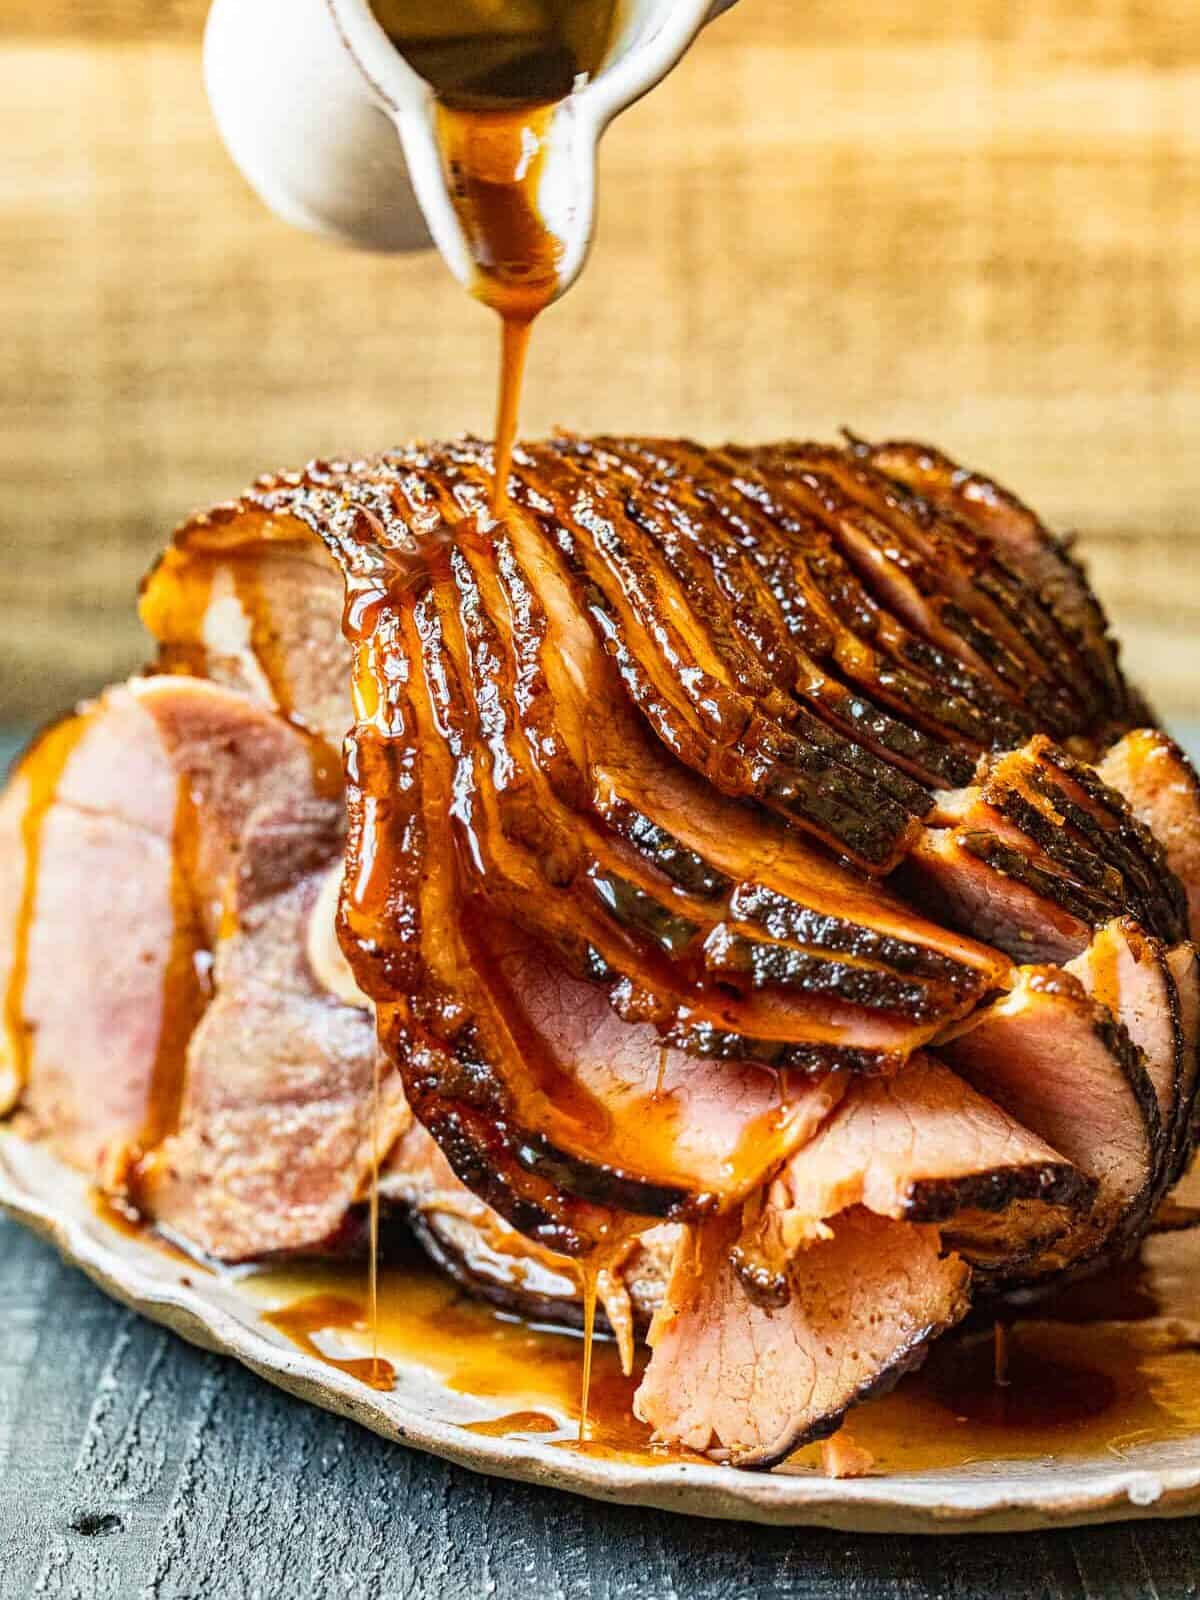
1150	1477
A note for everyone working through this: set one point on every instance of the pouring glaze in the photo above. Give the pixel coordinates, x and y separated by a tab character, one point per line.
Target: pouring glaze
338	134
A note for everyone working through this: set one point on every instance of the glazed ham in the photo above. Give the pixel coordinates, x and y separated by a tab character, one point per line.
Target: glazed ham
749	891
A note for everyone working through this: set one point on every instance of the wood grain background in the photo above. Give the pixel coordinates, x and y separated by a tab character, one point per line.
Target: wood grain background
970	219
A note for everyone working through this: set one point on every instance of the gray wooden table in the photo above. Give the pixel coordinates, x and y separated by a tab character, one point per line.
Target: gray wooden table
134	1465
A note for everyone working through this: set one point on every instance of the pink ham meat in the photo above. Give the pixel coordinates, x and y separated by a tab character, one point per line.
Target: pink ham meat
1060	1064
607	1100
919	1174
925	1147
274	1136
178	864
1161	785
100	922
977	881
255	606
747	1383
1130	973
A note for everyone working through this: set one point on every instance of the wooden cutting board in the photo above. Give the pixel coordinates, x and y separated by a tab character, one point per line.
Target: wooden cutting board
976	221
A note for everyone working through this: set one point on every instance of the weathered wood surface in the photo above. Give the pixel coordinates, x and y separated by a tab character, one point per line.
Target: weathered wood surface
132	1465
965	218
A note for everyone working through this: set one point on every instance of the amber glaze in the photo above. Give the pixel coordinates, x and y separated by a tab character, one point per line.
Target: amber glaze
1106	983
326	1313
663	1052
115	1212
532	1372
499	74
42	771
492	160
1106	1369
590	1273
382	1375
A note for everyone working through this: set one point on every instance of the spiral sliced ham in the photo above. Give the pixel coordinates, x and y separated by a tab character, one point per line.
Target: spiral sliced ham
733	870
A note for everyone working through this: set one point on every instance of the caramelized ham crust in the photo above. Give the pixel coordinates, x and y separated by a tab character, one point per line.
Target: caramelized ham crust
1131	974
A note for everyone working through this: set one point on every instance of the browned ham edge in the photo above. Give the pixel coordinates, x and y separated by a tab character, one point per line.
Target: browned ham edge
1130	973
1046	562
1185	968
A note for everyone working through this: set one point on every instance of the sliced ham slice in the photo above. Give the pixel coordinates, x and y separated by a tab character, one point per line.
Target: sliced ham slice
127	820
1100	816
983	883
86	928
922	1146
254	602
1062	854
1161	785
926	1147
180	1047
608	1106
1061	1065
1129	972
747	1383
1007	806
276	1127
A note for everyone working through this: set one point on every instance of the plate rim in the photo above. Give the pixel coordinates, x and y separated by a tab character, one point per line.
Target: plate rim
884	1504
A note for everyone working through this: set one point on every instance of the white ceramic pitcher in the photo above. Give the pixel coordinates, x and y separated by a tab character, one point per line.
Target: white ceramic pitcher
309	96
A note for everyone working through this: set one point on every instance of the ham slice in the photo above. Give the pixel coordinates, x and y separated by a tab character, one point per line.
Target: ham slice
1061	1065
747	1383
180	1047
274	1136
86	928
1130	973
978	880
1161	785
925	1147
